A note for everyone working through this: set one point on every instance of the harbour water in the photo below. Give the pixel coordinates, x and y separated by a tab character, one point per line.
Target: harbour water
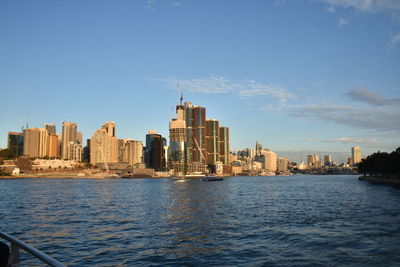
249	221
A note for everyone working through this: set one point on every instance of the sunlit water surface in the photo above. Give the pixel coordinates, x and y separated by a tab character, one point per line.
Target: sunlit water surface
285	221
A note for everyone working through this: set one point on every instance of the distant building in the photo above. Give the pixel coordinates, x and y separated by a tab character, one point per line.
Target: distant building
212	142
15	142
155	155
268	160
133	152
224	145
86	151
53	146
282	164
75	152
51	128
69	134
327	160
104	145
35	142
121	149
177	135
195	117
79	138
355	155
313	161
310	160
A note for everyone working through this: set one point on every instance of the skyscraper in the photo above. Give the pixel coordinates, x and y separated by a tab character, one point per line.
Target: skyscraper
35	142
53	146
356	155
212	141
15	142
177	135
155	156
104	145
69	134
133	152
224	146
282	164
327	160
51	128
195	117
268	160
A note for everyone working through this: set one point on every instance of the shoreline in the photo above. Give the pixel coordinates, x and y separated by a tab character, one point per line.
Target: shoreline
378	180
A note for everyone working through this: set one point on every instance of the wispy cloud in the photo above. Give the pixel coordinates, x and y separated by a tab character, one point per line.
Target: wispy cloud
331	9
395	40
154	4
386	120
348	140
222	85
343	22
366	5
370	97
265	90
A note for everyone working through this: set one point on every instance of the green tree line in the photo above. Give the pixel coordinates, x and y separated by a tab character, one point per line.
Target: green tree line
381	164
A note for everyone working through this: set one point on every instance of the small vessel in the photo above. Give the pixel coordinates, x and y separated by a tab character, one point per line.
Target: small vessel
212	179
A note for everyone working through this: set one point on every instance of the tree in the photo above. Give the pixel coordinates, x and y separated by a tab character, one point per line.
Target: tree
7	154
381	164
24	163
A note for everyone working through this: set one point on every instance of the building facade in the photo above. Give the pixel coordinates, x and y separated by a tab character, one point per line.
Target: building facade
133	152
69	134
355	155
104	145
35	142
15	142
224	145
212	141
155	155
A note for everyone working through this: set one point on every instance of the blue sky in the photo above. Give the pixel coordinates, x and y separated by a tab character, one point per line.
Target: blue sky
294	75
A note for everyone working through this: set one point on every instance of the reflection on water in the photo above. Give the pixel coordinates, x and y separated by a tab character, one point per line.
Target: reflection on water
297	220
191	218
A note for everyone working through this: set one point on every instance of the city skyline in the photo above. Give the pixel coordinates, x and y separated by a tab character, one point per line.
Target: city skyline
293	75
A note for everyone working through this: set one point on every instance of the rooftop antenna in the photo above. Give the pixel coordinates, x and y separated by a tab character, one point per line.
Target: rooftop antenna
180	92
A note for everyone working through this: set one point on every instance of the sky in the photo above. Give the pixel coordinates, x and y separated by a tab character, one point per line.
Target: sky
294	75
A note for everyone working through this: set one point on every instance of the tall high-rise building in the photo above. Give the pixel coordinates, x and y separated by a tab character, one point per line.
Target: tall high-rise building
327	160
195	117
86	151
15	142
51	128
79	138
75	151
268	160
35	142
195	141
133	152
155	156
52	146
356	155
224	146
313	161
177	136
109	127
104	145
69	134
212	141
121	149
310	160
282	164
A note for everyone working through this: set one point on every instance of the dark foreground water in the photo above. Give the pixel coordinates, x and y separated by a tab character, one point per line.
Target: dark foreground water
251	221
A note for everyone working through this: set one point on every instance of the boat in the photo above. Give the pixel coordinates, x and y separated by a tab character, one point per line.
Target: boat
212	179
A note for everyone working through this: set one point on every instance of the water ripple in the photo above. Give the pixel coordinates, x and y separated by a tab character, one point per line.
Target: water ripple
242	221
